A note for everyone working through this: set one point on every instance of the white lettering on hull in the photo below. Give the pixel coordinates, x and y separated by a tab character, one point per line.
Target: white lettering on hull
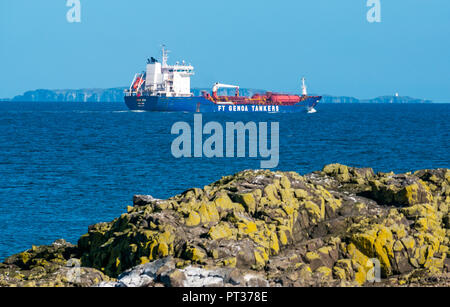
247	108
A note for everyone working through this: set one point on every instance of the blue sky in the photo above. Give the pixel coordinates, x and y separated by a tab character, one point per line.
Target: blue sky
257	44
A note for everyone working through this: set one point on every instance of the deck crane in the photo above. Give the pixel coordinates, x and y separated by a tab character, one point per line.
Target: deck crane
221	85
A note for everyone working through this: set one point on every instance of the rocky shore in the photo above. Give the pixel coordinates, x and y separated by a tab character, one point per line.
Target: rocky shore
341	226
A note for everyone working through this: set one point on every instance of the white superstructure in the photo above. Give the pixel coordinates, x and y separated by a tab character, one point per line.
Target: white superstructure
162	79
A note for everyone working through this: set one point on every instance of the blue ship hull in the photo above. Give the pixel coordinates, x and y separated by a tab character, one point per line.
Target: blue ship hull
201	104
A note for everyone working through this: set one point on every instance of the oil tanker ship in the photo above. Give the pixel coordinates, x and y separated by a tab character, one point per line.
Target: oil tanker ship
167	88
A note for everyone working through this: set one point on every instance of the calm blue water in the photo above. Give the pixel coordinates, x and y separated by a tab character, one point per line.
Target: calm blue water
66	166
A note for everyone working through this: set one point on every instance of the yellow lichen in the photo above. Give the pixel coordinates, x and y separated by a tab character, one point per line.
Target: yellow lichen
193	219
325	271
310	256
195	254
249	202
220	231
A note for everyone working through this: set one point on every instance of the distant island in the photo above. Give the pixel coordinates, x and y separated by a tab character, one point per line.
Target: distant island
116	95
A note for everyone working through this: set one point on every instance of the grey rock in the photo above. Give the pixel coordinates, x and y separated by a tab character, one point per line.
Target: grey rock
199	277
142	200
143	275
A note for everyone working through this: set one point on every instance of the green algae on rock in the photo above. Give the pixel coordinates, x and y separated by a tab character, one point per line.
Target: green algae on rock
331	227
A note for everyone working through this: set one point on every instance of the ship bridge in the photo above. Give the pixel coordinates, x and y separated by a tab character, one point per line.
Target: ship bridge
166	80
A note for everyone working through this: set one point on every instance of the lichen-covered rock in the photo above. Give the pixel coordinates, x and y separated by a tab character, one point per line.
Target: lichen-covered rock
239	221
49	266
337	227
400	190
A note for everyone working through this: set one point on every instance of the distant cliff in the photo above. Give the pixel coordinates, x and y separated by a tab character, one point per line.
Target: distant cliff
116	95
81	95
381	99
395	99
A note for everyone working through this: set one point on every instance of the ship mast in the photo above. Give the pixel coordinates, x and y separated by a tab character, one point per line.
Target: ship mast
164	56
304	92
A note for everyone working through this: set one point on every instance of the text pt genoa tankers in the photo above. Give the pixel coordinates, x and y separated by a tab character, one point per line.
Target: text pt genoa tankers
167	88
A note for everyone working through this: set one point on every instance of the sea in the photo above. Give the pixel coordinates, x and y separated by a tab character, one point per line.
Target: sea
65	166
